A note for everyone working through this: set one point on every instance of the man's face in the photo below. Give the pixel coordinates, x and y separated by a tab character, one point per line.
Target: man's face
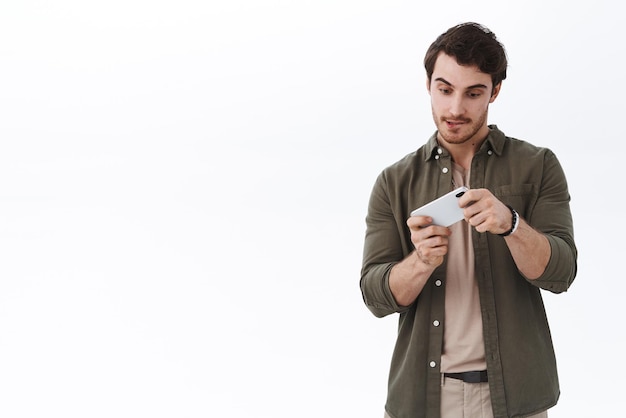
460	97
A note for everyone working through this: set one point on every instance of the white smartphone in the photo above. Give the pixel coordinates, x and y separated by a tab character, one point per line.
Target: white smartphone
444	210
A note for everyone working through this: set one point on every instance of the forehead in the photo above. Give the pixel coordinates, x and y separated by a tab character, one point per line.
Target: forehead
459	76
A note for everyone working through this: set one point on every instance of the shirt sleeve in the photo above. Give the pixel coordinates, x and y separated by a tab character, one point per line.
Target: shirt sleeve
382	250
553	217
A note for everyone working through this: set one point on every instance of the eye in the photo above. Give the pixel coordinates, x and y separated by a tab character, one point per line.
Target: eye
445	90
474	94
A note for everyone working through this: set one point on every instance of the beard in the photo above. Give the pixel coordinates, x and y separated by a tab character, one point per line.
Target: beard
459	134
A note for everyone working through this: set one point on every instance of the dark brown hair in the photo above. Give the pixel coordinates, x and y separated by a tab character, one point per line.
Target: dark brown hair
470	44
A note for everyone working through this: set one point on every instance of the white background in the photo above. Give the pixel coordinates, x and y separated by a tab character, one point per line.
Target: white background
183	186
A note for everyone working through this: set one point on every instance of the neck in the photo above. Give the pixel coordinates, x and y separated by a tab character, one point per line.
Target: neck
463	153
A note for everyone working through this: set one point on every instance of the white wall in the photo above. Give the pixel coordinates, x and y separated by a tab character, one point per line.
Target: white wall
183	188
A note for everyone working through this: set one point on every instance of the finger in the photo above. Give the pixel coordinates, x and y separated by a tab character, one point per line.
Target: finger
472	211
469	197
431	231
436	245
475	214
432	249
419	221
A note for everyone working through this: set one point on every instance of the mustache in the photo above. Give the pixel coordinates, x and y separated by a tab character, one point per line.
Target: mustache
453	119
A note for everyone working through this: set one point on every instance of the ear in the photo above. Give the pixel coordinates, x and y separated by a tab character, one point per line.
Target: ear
495	92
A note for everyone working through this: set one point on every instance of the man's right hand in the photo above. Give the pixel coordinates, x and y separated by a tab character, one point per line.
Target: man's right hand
430	241
408	277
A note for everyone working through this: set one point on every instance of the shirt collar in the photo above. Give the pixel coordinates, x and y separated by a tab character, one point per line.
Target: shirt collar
494	142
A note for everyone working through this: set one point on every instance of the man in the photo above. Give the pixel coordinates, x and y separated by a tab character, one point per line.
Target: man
473	337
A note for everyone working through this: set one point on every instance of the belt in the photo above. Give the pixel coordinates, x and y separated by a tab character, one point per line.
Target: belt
469	377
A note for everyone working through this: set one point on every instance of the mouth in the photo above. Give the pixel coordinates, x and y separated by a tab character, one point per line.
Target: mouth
452	124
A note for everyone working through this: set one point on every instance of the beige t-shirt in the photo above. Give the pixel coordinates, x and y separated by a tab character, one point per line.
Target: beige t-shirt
463	345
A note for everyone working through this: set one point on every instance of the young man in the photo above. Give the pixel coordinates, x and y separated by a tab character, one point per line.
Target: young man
473	337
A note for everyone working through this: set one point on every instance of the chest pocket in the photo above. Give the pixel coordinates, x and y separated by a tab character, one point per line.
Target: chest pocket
521	197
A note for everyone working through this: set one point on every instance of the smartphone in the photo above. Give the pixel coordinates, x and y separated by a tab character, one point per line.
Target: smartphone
444	210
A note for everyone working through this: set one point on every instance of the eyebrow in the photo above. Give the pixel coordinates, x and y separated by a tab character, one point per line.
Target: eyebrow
474	86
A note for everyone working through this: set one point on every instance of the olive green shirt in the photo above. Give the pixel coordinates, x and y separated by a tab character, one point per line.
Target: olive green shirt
519	353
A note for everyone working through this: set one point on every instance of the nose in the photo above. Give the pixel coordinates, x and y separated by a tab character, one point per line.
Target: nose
457	106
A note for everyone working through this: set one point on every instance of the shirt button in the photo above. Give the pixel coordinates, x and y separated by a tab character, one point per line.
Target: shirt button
437	283
439	151
489	152
445	170
436	323
436	157
433	364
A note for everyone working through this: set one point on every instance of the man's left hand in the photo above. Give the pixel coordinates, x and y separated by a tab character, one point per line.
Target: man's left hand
485	212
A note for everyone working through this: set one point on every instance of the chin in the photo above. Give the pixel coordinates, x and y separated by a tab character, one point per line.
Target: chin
454	138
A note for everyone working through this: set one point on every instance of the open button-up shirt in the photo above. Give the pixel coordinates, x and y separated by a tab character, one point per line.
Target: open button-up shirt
519	353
